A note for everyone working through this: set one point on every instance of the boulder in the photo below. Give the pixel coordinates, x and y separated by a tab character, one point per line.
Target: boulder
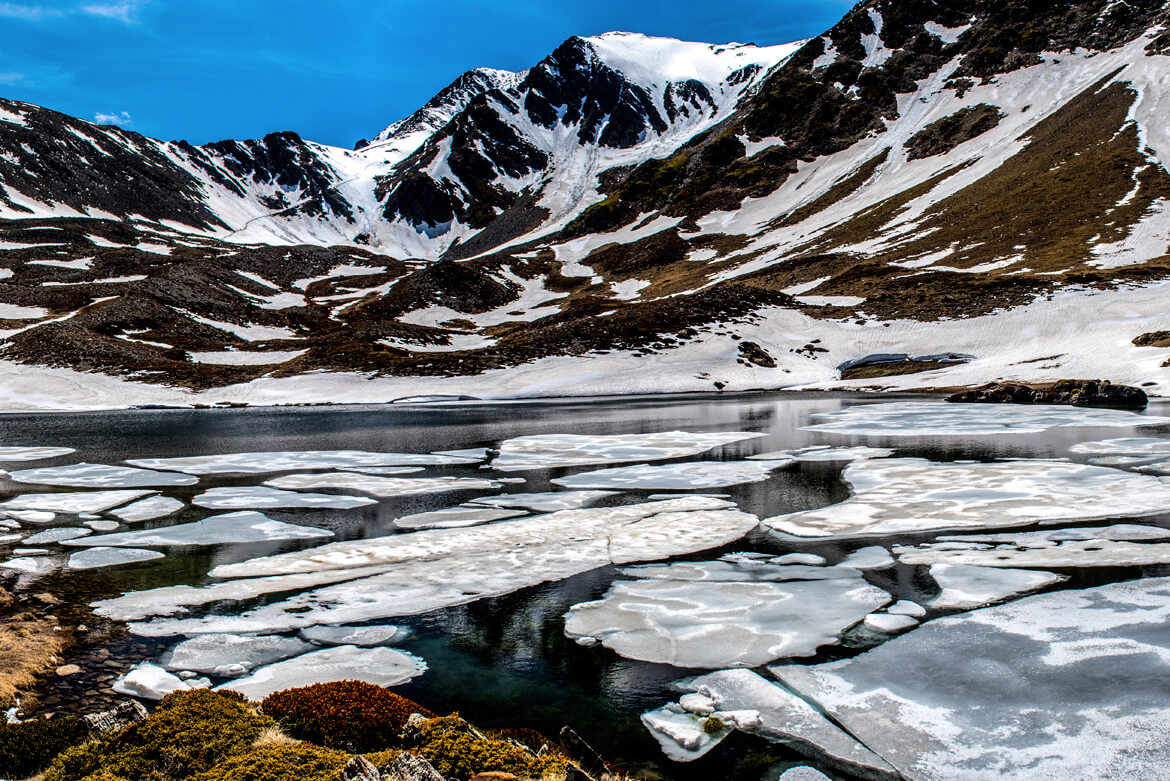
1076	393
123	715
359	769
409	767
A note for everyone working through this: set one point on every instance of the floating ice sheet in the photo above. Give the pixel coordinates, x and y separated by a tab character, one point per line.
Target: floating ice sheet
965	587
389	470
1139	448
733	568
764	708
255	497
229	656
151	682
454	517
889	623
29	565
57	535
102	526
217	530
546	502
86	502
714	622
289	461
382	486
1123	545
927	419
912	495
33	453
1063	685
407	574
100	476
547	451
380	666
684	736
96	558
32	516
148	509
691	475
825	453
362	636
872	557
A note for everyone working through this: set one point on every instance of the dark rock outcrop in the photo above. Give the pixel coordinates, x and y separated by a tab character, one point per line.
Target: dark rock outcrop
1076	393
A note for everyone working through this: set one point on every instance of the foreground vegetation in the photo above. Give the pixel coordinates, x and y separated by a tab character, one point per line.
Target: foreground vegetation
325	732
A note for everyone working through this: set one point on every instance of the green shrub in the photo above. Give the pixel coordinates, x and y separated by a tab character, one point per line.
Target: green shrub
458	754
288	762
190	732
28	747
351	715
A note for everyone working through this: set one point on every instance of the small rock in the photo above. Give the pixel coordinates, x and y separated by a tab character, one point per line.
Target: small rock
125	714
359	769
408	767
68	669
803	774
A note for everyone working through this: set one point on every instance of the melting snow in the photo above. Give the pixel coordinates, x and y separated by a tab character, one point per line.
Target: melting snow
289	461
261	498
712	622
216	530
696	475
380	666
914	495
547	451
99	476
924	419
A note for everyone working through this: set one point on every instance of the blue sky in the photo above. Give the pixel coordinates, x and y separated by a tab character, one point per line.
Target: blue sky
332	70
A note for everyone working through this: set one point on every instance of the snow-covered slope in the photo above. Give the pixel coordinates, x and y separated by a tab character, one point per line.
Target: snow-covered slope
930	194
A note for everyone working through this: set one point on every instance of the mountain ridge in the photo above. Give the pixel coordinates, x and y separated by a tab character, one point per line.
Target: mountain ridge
962	178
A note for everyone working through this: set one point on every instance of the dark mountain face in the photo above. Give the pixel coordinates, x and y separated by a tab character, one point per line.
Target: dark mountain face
53	158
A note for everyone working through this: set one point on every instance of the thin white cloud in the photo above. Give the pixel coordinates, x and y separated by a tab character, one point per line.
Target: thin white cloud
32	13
12	77
119	118
124	10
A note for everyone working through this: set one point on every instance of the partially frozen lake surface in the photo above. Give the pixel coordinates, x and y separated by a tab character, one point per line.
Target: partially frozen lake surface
701	586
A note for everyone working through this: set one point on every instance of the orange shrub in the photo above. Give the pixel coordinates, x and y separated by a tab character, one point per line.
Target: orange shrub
350	715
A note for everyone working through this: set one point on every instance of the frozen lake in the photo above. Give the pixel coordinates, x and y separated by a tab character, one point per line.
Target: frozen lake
580	561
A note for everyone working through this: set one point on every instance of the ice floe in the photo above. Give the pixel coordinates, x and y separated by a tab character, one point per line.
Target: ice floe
1069	684
95	558
72	503
381	486
1139	448
872	557
889	623
454	517
965	587
290	461
696	475
912	495
230	656
102	526
926	419
361	636
148	509
545	502
547	451
404	574
253	497
57	535
151	682
1123	545
684	736
825	453
380	666
225	529
674	617
905	607
754	704
29	565
33	453
32	516
100	476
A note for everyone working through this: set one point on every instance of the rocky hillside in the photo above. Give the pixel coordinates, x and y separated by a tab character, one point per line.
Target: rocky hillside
932	193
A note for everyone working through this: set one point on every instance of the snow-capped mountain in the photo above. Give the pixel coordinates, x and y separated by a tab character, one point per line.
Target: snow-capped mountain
932	193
